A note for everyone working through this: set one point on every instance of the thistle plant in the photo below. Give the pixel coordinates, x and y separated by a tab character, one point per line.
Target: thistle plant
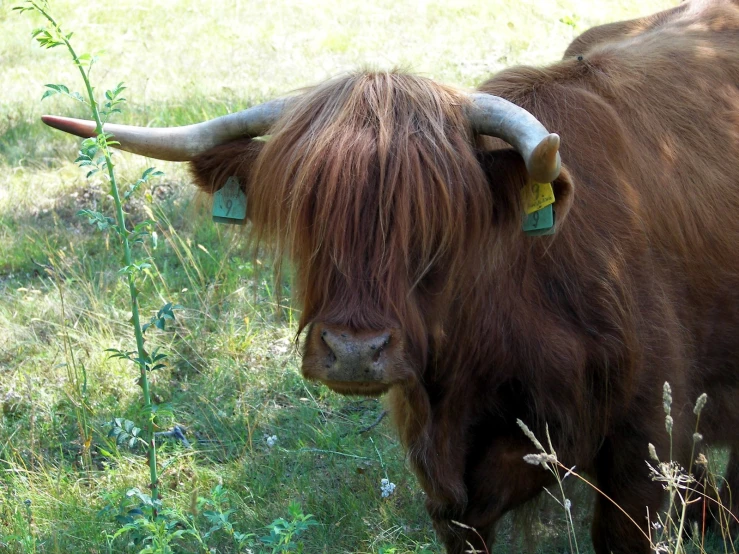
96	157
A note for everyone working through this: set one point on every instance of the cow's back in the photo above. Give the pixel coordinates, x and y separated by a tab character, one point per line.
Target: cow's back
623	30
649	123
620	30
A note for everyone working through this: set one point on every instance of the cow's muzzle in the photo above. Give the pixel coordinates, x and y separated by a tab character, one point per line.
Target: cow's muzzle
352	362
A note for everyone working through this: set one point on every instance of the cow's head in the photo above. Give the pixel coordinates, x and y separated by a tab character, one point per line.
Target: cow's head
372	186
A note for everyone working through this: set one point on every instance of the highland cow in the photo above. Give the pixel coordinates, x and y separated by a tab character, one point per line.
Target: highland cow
400	203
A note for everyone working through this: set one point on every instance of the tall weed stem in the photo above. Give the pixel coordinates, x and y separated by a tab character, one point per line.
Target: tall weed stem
103	142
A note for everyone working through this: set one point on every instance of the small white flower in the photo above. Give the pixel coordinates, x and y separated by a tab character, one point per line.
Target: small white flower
386	487
271	440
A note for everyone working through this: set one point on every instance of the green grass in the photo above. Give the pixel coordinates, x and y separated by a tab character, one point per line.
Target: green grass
233	374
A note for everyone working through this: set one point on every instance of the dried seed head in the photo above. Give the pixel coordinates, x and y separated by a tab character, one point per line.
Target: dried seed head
701	460
653	452
668	424
540	459
697	437
667	398
530	435
700	403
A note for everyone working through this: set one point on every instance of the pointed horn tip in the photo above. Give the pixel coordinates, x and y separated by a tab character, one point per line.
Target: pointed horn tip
545	160
54	120
78	127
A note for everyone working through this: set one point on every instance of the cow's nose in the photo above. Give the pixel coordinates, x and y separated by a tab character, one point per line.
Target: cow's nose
357	356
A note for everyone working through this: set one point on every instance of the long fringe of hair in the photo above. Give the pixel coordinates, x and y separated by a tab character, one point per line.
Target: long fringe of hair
368	184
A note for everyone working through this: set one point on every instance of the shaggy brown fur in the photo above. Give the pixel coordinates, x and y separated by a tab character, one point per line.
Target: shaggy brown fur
395	220
623	30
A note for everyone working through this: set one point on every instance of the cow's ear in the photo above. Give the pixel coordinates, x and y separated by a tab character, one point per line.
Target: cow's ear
564	192
212	169
506	174
508	178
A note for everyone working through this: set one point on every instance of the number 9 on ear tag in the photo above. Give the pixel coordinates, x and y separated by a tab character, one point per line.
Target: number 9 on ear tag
229	203
540	222
539	213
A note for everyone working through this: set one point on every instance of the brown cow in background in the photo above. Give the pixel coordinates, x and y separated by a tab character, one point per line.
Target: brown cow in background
415	278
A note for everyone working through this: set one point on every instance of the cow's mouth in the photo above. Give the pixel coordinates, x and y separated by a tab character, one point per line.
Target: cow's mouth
372	388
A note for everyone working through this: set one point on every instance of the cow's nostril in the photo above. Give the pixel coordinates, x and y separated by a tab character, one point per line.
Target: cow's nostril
331	355
354	355
379	348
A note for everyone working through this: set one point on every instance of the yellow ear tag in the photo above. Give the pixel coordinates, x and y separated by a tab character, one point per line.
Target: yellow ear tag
537	196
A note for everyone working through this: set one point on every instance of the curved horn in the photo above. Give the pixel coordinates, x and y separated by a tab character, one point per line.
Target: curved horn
179	144
497	117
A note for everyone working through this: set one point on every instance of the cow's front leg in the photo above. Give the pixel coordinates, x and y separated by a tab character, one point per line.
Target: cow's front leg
436	438
497	480
459	538
620	523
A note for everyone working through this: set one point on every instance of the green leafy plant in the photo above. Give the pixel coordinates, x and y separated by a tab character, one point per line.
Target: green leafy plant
282	533
125	431
151	526
570	20
215	510
21	535
95	155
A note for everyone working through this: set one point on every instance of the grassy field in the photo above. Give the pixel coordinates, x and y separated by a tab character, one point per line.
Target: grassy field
232	377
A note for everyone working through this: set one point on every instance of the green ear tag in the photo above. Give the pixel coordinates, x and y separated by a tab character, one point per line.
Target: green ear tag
229	203
540	222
